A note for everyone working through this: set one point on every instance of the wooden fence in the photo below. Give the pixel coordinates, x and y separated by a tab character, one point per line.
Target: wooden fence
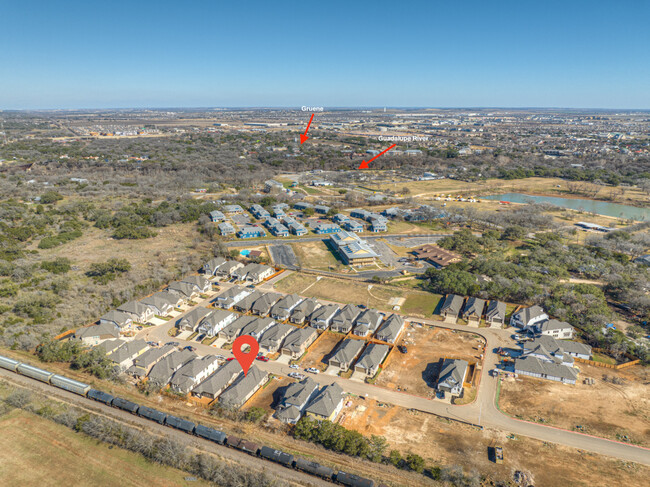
607	366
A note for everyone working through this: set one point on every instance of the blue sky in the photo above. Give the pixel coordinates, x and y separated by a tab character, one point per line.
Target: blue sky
570	53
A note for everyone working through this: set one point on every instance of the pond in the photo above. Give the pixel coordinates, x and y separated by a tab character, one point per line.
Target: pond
589	206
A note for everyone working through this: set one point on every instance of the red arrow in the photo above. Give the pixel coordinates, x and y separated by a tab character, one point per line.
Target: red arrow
303	137
364	164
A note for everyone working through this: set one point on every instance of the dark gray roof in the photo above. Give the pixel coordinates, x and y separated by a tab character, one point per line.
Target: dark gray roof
533	365
372	356
262	306
297	393
496	309
348	351
298	337
474	307
304	309
285	304
452	304
389	330
326	401
324	312
103	329
220	379
162	372
236	394
235	328
453	372
185	377
274	336
195	316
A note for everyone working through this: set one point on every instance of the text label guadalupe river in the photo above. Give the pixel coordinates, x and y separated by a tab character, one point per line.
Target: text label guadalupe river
590	206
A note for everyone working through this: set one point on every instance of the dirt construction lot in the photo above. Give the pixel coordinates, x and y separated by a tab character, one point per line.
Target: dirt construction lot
416	371
269	395
603	409
319	353
443	442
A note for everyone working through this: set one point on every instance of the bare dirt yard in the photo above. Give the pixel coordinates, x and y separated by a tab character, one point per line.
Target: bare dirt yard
615	410
319	353
270	395
416	371
448	443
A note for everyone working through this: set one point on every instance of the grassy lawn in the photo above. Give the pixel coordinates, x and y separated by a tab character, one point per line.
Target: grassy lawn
599	357
421	304
36	451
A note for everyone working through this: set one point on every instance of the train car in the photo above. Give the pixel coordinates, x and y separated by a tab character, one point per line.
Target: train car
233	441
243	445
277	456
125	405
353	480
100	396
8	363
249	447
210	434
34	372
70	385
180	424
313	468
152	414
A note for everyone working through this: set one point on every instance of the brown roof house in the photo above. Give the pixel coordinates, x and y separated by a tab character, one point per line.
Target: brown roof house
436	256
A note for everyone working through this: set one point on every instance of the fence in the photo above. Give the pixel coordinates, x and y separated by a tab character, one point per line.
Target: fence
607	366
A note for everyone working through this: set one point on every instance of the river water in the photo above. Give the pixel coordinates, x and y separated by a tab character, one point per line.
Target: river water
589	206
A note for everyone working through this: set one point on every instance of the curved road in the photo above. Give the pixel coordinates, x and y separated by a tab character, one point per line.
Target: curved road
482	411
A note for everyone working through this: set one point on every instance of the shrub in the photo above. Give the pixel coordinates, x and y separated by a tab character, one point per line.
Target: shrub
60	265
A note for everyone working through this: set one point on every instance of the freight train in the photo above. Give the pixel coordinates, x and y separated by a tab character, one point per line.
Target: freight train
210	434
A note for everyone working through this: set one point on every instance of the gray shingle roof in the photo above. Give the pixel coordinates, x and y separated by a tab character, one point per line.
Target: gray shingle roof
327	400
237	393
496	310
162	372
219	380
452	304
372	356
533	365
390	329
348	351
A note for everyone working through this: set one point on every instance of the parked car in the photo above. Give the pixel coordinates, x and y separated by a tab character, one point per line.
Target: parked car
229	359
220	357
294	366
173	344
200	337
262	358
312	370
402	349
190	348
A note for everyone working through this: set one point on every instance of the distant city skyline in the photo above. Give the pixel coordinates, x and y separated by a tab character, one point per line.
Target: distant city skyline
500	55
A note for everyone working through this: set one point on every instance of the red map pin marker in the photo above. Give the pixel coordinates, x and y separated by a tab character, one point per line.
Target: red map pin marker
245	359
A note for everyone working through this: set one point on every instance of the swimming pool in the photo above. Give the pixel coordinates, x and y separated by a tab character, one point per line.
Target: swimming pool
244	252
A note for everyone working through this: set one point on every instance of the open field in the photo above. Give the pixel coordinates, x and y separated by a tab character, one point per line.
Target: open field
319	354
416	371
418	303
317	255
36	451
449	443
603	409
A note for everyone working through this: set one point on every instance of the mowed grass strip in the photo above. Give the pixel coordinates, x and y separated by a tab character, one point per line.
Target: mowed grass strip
36	451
